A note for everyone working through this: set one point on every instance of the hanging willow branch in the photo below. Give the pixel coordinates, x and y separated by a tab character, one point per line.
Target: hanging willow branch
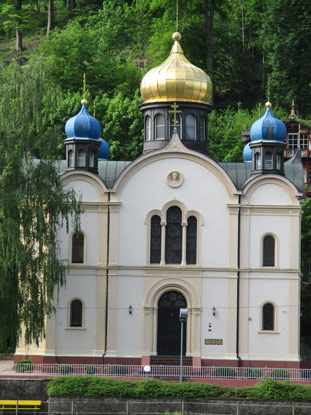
33	204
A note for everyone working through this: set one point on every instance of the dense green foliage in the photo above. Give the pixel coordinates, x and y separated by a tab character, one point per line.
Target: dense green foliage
143	389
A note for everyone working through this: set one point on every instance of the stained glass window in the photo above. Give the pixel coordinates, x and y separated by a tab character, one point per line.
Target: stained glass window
155	242
173	240
191	250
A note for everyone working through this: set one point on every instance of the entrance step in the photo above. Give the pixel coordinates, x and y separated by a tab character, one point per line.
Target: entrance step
170	360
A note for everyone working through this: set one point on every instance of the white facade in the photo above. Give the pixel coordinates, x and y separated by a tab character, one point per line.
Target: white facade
225	290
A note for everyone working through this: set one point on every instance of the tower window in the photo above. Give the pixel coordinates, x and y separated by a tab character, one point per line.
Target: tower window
202	129
278	161
155	242
268	251
257	161
148	128
91	159
160	127
77	248
76	313
268	317
268	161
70	158
81	158
190	127
177	125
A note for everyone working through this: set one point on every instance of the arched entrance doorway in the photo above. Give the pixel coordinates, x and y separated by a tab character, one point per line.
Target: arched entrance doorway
169	325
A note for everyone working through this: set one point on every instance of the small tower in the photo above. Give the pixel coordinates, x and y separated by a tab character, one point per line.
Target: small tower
267	144
176	94
82	142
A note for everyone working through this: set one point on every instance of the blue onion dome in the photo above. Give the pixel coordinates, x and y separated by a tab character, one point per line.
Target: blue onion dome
268	127
247	153
83	125
103	150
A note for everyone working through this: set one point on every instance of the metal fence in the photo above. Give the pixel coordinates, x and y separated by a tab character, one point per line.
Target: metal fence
162	372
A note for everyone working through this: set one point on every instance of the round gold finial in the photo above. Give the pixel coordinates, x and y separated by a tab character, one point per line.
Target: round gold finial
84	101
176	36
268	104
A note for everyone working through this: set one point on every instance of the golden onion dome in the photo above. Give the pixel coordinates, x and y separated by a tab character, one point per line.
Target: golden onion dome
176	79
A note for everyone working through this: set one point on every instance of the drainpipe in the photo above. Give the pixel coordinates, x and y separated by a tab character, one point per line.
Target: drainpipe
238	287
107	275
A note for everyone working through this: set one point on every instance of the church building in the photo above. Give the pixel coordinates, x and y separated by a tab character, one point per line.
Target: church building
176	229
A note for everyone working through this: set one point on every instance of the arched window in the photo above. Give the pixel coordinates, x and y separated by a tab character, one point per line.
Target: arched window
268	251
268	317
148	128
81	158
191	249
155	241
77	248
178	117
91	159
70	158
173	237
159	127
202	128
268	161
76	313
190	127
278	161
257	161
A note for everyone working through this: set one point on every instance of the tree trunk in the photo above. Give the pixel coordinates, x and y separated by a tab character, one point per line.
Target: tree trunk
19	40
19	36
50	17
38	6
209	26
72	5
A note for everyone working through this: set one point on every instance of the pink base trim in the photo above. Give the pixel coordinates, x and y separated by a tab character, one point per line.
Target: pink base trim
145	361
61	359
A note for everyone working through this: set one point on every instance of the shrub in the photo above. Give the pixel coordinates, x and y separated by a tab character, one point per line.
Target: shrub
252	373
24	365
225	372
117	370
149	388
279	374
90	369
64	369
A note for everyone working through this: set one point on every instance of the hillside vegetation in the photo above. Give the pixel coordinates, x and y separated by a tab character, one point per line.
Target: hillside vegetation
239	44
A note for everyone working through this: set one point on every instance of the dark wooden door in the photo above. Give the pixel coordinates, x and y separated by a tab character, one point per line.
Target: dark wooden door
169	329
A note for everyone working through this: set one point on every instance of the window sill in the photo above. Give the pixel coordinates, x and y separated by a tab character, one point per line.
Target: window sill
75	328
268	332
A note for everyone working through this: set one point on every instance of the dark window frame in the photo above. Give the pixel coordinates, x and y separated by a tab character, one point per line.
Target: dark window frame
155	239
268	251
268	317
173	236
77	248
76	313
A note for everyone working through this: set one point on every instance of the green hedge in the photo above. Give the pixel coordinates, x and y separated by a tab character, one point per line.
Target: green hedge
149	388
